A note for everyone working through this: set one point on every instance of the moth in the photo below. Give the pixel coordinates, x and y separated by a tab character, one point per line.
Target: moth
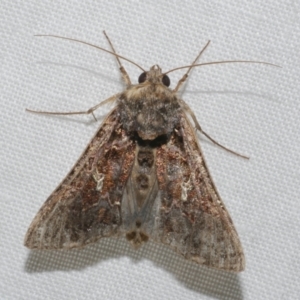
142	176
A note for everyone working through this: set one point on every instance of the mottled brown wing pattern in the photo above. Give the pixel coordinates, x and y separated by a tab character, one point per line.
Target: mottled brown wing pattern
193	219
143	176
86	205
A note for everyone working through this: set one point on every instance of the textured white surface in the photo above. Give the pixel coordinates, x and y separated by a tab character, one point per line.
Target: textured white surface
253	109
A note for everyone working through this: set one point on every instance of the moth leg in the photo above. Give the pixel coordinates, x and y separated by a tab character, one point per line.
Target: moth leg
198	127
185	76
125	75
87	112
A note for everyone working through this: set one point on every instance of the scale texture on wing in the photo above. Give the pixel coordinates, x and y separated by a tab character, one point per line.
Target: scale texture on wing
86	205
192	218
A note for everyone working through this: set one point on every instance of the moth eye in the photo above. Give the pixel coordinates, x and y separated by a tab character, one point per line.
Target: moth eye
166	80
142	77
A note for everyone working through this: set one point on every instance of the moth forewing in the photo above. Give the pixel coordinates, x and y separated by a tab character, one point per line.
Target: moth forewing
221	238
142	176
79	212
192	219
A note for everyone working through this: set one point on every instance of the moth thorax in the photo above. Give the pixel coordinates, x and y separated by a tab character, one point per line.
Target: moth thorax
149	111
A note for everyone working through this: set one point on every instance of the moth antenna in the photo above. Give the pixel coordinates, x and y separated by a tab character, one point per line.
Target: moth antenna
92	45
223	62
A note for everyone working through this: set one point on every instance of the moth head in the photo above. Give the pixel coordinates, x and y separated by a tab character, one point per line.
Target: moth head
154	75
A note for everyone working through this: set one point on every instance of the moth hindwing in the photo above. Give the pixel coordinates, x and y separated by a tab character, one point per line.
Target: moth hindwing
142	176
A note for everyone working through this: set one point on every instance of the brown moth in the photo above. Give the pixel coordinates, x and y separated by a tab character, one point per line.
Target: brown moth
142	176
